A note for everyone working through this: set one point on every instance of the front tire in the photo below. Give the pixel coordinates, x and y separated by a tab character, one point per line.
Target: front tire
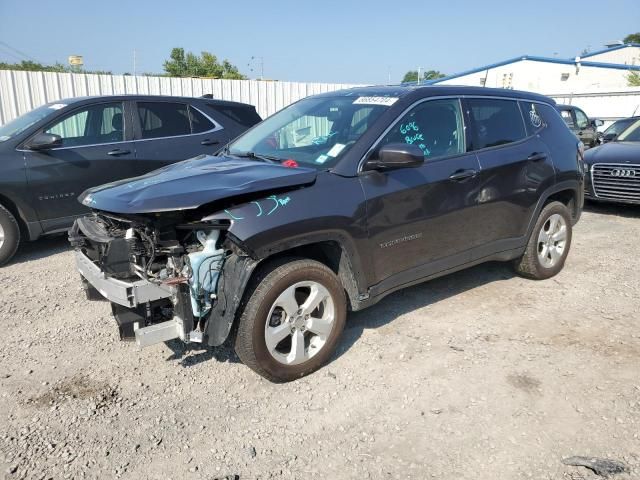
292	320
548	245
9	235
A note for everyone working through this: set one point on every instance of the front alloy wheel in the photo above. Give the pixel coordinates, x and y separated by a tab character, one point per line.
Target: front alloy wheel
292	320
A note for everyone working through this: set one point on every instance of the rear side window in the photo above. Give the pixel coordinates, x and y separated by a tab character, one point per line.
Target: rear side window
533	118
245	116
497	122
160	119
199	123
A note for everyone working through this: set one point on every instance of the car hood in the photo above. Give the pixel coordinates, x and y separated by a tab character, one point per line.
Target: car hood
192	183
614	152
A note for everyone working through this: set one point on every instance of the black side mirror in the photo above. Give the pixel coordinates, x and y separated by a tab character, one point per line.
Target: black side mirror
609	137
396	155
596	122
44	141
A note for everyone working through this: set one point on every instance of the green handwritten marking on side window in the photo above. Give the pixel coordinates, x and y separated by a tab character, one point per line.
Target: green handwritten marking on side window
412	134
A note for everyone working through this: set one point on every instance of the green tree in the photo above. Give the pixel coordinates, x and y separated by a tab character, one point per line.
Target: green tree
633	79
412	75
29	66
181	64
632	38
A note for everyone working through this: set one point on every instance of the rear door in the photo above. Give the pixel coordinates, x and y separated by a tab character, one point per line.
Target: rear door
168	132
96	149
422	220
515	166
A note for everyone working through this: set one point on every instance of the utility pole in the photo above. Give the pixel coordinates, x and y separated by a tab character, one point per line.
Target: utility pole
134	62
419	68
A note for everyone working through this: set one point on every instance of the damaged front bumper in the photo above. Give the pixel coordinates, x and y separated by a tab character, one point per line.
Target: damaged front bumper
185	295
125	296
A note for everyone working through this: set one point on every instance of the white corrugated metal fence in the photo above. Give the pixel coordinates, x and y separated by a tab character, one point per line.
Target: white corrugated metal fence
23	91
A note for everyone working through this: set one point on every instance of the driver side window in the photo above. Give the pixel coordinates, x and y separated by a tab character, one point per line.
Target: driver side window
581	119
435	126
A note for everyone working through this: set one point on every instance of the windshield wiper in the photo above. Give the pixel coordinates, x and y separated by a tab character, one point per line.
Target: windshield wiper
258	156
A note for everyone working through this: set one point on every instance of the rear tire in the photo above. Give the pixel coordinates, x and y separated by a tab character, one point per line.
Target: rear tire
548	245
9	235
292	319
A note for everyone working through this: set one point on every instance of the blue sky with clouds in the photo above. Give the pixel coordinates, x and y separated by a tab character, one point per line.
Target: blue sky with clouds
328	41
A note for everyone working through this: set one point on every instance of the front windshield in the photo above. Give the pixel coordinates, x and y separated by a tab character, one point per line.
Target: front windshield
616	127
20	124
631	133
315	131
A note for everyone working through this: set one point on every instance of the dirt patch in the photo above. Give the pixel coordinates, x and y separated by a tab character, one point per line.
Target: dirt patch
76	388
524	382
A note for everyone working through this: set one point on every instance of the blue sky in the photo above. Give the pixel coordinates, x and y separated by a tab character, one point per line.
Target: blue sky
307	40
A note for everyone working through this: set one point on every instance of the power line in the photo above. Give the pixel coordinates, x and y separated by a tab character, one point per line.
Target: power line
28	57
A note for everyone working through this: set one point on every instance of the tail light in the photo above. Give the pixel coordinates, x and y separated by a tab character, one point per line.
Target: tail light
581	151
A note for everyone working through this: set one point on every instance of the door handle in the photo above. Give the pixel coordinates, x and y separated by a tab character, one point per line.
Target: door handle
460	175
537	156
206	141
117	152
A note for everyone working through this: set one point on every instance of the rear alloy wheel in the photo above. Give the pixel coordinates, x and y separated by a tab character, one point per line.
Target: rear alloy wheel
292	321
548	245
9	235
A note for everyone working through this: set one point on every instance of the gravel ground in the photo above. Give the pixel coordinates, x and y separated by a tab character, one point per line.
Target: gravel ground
478	375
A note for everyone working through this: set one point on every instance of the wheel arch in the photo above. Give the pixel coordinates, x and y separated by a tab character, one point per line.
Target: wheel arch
569	192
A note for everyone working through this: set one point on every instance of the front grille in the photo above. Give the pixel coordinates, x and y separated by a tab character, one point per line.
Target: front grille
616	181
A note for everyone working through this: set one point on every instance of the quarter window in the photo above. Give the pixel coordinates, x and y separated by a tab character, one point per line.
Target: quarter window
581	119
161	119
199	123
96	124
532	117
435	126
497	122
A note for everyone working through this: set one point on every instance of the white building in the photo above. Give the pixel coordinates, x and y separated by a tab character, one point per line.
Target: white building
601	71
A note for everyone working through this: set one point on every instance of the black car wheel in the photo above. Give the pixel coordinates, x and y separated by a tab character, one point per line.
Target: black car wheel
9	235
548	245
292	320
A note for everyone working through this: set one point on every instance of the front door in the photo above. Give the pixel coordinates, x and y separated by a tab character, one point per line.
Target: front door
421	220
94	151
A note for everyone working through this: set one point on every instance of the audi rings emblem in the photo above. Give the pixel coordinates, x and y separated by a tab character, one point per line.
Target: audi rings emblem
620	172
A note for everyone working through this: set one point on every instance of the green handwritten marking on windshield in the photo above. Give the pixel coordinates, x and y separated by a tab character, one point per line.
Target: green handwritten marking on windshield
233	216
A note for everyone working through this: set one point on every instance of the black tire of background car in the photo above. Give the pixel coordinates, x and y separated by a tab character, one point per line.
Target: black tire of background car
268	283
529	265
90	291
11	235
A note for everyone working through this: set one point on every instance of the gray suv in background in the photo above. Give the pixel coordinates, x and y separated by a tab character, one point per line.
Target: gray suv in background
579	123
53	153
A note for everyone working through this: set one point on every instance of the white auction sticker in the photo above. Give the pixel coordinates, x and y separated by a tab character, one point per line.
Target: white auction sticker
57	106
335	150
386	101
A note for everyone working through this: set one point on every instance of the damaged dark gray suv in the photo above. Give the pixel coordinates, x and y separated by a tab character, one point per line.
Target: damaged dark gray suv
326	207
